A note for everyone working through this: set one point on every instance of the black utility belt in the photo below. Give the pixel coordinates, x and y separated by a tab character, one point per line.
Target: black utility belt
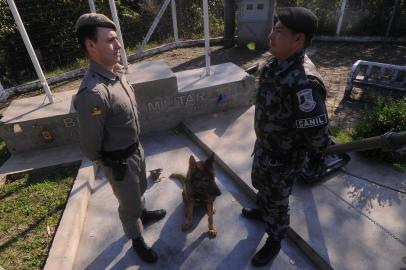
120	154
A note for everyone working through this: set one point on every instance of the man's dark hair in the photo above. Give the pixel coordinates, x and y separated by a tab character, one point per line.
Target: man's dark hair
308	41
308	38
86	32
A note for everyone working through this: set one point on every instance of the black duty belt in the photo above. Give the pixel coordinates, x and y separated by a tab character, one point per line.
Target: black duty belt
120	154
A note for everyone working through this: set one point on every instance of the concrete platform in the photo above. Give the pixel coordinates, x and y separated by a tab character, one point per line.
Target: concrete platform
103	245
165	98
33	123
353	220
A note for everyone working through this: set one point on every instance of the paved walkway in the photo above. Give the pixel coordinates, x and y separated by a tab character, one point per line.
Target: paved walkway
103	245
354	219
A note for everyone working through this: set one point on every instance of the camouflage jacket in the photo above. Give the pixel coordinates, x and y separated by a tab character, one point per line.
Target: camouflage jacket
290	113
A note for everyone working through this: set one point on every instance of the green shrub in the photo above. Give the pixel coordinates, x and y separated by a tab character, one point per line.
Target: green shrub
389	116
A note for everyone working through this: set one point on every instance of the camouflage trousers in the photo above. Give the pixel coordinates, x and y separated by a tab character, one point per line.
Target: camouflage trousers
274	178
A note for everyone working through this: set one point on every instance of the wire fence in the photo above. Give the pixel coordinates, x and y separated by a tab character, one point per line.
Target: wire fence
50	26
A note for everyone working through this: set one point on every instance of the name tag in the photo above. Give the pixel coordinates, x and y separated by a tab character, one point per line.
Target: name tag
312	122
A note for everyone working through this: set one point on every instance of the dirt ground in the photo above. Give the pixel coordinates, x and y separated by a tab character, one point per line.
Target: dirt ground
334	61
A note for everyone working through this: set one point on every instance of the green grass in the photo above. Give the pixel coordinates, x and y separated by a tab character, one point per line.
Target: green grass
341	135
30	209
80	63
401	166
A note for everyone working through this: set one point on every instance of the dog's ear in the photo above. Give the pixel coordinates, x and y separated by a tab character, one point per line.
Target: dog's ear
210	160
192	163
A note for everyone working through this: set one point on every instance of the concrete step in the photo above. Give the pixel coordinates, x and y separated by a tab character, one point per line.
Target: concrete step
353	220
22	162
103	245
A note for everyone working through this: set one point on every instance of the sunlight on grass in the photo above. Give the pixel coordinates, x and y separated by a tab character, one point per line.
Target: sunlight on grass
30	209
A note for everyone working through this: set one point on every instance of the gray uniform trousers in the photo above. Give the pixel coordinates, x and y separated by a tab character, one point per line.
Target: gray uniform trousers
129	193
274	180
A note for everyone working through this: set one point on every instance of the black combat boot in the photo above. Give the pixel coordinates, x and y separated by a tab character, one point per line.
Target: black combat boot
144	251
150	216
252	213
267	253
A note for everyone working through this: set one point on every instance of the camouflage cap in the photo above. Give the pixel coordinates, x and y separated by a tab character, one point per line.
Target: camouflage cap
94	19
299	19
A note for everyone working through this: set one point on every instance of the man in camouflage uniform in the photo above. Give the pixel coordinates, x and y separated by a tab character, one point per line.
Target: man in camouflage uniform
290	121
109	127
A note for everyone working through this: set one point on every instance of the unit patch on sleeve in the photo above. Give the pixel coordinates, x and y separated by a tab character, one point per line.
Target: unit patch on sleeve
312	121
306	101
96	111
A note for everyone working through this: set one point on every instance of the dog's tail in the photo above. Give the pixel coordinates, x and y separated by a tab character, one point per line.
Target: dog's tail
178	176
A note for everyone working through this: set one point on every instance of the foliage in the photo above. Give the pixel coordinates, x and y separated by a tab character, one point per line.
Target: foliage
386	116
4	153
50	26
30	209
341	135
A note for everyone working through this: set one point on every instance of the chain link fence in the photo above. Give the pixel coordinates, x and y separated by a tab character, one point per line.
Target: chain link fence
50	26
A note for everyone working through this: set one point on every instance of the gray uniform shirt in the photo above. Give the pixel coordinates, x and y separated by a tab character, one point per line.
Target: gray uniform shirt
107	112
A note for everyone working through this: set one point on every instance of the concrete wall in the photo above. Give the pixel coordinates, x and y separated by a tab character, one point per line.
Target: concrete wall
164	99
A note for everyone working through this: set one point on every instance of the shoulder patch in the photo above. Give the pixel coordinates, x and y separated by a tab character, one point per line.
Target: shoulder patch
96	111
312	121
306	100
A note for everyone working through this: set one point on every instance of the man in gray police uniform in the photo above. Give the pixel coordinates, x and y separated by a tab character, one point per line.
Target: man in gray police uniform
290	122
109	127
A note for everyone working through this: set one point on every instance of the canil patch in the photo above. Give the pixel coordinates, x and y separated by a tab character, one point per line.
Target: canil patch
312	122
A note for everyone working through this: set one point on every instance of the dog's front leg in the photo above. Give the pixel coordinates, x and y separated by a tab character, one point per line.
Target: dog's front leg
210	213
189	215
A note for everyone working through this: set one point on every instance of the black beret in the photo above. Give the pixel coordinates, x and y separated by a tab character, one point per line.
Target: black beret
299	19
94	19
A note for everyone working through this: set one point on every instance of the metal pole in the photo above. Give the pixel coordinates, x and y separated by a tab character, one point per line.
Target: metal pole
272	13
3	94
229	23
395	7
120	37
92	6
174	21
206	36
340	20
154	24
393	139
30	50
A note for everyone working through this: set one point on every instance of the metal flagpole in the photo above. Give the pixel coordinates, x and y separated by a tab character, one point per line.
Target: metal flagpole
92	6
391	18
206	36
30	49
120	37
174	22
340	20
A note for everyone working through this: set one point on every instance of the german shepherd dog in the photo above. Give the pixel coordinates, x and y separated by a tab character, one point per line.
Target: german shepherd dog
199	187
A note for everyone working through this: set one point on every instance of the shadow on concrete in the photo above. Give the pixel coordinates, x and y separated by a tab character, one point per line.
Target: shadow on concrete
220	121
242	252
112	251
